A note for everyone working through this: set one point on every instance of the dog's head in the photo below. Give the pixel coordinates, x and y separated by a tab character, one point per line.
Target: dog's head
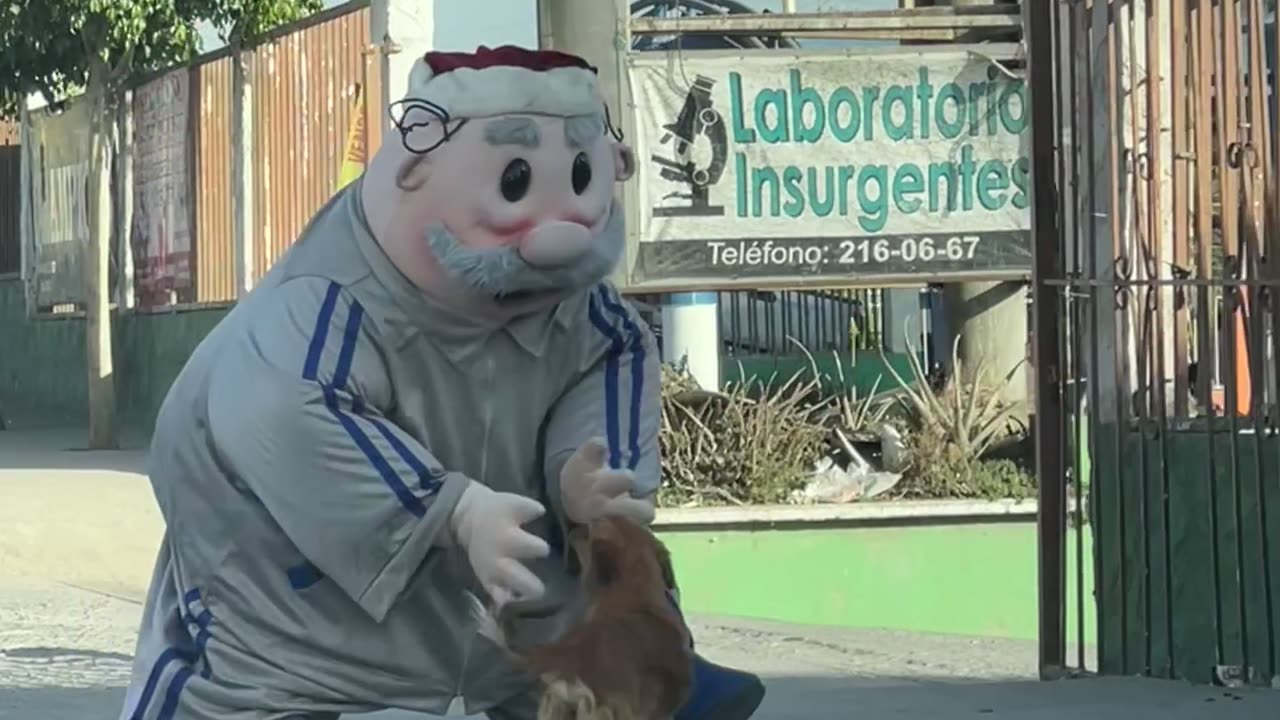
629	655
616	552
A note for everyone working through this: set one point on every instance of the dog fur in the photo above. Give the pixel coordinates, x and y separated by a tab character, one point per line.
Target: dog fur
629	657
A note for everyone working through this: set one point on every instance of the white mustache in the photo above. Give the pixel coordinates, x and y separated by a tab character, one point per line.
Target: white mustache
499	272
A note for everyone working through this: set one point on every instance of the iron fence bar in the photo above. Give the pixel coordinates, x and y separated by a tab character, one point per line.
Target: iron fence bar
1260	163
1175	282
1062	358
1155	269
1237	484
1201	53
1046	262
1114	130
1228	65
1140	309
1075	322
1097	507
1272	305
1178	29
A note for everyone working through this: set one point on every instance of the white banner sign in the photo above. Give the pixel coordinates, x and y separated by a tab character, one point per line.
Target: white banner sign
785	166
59	157
161	233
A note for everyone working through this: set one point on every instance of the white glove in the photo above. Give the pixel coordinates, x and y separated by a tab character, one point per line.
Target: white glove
487	524
589	490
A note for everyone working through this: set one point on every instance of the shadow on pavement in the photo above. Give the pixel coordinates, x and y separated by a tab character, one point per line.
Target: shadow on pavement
64	449
51	703
833	698
810	698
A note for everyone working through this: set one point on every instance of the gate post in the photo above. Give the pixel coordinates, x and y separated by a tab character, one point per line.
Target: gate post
1046	265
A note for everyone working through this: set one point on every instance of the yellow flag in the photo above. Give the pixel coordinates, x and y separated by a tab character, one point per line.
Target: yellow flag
356	154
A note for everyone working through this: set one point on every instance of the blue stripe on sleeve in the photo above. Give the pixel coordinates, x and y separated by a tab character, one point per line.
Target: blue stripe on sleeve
153	681
342	373
637	375
410	501
350	336
171	697
430	480
202	622
616	348
311	370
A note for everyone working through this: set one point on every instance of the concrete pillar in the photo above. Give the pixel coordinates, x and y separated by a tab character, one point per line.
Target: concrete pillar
991	320
903	320
597	30
403	30
691	333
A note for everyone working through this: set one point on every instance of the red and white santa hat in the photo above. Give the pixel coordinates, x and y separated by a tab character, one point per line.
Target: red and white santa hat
506	80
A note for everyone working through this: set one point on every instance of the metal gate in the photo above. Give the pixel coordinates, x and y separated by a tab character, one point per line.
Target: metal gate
1157	322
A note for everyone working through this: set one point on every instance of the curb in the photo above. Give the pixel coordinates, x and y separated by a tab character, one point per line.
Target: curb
900	512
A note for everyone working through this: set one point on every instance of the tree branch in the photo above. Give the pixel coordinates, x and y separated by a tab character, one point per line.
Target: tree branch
124	66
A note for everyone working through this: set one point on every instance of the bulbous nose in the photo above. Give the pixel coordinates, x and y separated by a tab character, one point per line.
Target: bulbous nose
555	244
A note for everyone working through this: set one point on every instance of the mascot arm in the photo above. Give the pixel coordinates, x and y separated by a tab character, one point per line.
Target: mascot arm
296	414
617	397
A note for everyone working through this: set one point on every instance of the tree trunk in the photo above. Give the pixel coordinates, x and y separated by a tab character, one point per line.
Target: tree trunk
101	379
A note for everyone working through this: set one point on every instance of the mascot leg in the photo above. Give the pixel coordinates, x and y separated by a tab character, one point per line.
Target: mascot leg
719	693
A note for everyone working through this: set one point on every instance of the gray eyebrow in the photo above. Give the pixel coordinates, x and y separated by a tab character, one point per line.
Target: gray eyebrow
512	131
581	131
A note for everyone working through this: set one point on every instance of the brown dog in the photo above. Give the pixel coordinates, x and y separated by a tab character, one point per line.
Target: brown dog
628	659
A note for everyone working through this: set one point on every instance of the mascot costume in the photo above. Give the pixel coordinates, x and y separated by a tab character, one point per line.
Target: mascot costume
420	400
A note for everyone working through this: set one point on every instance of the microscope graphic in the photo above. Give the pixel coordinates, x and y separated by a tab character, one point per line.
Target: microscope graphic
697	119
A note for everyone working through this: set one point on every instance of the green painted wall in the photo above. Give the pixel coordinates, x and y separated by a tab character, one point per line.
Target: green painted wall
42	376
862	371
975	580
42	370
1196	584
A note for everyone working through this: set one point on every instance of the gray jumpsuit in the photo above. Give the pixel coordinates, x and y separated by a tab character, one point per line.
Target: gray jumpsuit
313	448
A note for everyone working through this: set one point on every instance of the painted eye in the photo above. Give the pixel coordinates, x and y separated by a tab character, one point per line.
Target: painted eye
581	173
515	180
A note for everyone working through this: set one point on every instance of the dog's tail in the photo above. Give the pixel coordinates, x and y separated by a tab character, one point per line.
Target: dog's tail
488	621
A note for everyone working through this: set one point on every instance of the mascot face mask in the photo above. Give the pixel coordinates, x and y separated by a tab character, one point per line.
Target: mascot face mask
497	195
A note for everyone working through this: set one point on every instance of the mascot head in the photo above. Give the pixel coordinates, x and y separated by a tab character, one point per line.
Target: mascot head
495	192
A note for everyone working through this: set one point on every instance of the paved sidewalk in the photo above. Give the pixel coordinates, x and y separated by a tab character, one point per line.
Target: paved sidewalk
64	654
77	537
85	518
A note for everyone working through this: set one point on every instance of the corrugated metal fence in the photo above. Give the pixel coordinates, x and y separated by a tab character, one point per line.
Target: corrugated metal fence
303	89
304	82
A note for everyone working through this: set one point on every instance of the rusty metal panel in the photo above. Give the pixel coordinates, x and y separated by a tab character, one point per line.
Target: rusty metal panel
304	87
215	253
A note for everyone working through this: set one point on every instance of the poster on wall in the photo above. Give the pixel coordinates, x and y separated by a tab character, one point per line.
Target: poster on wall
854	167
161	228
59	158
